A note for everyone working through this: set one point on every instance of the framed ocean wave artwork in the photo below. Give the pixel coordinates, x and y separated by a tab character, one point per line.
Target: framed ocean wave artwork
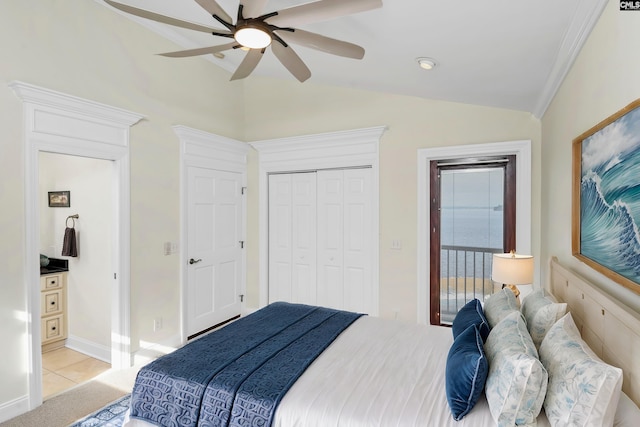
606	197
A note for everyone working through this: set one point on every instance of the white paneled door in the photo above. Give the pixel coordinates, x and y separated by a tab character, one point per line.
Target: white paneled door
320	228
214	210
345	260
292	241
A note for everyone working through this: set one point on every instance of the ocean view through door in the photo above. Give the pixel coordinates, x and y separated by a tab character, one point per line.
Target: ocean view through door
472	216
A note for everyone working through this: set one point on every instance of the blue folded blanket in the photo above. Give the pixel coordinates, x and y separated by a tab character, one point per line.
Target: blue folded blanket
237	375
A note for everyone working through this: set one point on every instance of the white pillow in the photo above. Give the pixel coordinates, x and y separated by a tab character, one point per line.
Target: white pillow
499	305
541	312
627	414
582	390
517	380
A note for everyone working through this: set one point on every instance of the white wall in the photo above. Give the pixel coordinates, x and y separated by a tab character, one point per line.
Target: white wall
90	275
275	109
603	80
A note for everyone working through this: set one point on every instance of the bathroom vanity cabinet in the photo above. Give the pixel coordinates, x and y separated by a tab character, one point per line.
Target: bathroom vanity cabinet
53	310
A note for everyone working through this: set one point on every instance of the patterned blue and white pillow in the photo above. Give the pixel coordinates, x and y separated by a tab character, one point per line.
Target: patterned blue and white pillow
499	305
541	312
510	336
517	381
583	390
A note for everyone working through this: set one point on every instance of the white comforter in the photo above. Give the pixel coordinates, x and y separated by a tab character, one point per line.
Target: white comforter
377	373
385	373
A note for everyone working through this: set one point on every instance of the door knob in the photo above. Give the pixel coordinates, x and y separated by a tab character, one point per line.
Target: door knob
193	261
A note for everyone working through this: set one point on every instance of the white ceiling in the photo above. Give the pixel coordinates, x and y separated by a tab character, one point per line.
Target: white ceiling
502	53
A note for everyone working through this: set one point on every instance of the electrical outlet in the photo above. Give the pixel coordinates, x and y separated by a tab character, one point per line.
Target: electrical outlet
157	324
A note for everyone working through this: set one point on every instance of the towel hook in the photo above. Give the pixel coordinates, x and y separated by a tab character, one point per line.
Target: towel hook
73	220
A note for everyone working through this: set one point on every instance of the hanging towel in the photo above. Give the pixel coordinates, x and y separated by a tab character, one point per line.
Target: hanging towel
69	245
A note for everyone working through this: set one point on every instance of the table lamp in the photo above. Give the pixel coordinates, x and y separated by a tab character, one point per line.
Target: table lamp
512	269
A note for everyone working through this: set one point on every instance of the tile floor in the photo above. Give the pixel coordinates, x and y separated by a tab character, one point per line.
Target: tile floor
64	368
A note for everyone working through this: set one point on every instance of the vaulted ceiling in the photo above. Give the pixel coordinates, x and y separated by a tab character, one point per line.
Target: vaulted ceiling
499	53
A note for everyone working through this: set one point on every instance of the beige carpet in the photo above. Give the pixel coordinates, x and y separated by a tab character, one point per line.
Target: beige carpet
70	406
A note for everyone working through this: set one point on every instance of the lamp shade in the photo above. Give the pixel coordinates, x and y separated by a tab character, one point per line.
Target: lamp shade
512	269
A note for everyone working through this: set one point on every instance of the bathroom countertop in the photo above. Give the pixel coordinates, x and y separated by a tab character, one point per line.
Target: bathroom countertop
56	265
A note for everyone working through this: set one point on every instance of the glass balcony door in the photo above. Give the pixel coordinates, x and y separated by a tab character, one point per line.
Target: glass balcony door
471	220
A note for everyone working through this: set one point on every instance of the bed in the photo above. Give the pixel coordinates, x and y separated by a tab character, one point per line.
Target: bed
377	372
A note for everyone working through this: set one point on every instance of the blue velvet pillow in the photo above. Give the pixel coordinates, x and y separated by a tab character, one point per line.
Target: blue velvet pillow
466	372
471	314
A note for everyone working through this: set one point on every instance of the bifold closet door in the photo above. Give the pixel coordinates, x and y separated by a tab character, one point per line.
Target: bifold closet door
344	239
320	227
292	238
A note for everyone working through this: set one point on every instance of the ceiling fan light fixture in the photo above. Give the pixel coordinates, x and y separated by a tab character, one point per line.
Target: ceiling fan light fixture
426	63
252	36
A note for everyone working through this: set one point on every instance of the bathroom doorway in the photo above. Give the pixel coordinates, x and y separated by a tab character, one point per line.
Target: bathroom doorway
55	122
75	284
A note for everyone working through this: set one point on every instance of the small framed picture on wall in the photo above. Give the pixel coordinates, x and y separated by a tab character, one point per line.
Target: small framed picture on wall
59	199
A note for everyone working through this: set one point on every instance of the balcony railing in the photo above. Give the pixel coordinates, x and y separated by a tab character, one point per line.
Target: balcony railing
465	274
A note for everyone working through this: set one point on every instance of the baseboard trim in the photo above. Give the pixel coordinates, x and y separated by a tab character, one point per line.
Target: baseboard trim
90	348
13	408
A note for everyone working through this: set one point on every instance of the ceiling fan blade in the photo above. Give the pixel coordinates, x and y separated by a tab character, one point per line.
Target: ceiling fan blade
159	18
252	8
248	64
320	11
214	8
200	51
322	43
291	61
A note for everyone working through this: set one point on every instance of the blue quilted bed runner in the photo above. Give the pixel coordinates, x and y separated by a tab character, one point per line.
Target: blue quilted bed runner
237	375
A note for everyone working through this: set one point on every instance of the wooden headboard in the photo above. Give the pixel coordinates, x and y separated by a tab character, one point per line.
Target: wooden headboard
610	329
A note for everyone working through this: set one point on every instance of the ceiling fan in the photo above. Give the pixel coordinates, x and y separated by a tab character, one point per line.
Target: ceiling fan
255	31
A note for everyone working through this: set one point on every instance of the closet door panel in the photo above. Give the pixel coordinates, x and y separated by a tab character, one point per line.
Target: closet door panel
358	263
355	286
320	239
292	238
280	248
330	238
304	238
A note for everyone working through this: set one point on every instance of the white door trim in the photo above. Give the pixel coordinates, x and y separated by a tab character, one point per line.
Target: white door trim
522	151
208	150
58	123
343	149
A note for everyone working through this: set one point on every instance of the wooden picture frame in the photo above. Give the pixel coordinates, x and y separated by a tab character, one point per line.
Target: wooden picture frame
605	212
59	199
